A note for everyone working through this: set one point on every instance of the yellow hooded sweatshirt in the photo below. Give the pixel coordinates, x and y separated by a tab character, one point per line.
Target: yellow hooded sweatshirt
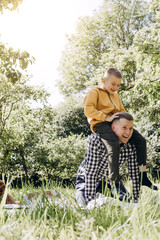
99	104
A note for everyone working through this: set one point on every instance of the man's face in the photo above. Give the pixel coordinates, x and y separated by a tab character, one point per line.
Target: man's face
123	129
112	84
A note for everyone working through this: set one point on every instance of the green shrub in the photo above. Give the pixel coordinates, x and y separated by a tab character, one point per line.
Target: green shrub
63	158
69	118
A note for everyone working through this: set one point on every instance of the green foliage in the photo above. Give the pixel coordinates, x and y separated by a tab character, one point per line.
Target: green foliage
154	7
151	132
9	4
69	119
59	159
31	146
112	27
51	142
25	130
12	63
17	124
21	127
125	35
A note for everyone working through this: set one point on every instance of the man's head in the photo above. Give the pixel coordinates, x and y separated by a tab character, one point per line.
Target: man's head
112	80
123	126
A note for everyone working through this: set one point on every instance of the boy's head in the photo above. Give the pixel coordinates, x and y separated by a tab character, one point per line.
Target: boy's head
112	80
123	126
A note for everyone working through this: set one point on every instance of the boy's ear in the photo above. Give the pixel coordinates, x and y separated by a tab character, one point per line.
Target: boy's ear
103	80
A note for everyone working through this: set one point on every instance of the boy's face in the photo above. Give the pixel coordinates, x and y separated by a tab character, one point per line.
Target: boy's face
112	84
123	129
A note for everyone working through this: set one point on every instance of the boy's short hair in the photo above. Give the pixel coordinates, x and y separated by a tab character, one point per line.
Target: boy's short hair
124	115
112	71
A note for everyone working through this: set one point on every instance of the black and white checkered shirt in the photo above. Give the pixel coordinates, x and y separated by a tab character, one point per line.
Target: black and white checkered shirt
94	168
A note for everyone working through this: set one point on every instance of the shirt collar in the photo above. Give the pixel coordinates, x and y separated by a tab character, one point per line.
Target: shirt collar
123	145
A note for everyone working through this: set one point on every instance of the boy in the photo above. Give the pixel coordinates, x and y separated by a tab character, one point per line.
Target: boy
100	103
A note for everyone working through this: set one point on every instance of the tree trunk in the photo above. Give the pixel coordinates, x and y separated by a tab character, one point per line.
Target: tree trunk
24	164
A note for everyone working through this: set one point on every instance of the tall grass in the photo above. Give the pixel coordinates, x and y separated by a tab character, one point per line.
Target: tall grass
48	221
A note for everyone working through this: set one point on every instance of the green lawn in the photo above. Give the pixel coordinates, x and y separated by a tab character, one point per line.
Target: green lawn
48	221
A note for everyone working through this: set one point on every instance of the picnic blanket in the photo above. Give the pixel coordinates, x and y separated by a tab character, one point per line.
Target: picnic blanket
102	199
61	201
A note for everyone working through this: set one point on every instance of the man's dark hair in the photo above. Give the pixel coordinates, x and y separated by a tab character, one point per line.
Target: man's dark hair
124	115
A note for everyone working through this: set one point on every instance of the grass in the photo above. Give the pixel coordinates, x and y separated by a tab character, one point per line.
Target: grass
48	221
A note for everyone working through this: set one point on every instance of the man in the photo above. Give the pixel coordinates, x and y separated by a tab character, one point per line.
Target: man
93	171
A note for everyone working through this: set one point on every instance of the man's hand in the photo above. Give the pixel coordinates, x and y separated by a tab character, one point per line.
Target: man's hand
110	119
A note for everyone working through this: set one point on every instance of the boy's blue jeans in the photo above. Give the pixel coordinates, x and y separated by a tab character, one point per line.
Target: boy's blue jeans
112	147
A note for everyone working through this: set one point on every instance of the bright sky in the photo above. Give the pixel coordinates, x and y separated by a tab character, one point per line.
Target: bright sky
40	27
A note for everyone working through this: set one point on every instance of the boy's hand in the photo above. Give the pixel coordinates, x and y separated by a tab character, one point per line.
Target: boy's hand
110	119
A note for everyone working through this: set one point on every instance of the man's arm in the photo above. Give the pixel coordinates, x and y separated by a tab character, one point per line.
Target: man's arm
93	156
134	172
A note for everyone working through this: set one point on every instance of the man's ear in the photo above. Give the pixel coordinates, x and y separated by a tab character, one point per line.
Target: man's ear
113	127
103	80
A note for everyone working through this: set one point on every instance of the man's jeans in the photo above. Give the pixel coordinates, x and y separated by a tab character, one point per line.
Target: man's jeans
80	192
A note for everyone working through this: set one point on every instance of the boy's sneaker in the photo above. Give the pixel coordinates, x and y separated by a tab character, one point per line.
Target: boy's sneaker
119	191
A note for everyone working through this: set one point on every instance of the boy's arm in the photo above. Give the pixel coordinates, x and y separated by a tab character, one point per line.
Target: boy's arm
90	105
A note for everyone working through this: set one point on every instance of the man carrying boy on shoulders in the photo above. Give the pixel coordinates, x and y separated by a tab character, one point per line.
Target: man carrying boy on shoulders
100	106
93	171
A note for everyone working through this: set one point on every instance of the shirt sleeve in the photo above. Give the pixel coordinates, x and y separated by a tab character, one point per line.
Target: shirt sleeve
90	106
91	174
134	173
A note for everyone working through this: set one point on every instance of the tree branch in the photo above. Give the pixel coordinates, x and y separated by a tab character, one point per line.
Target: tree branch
4	121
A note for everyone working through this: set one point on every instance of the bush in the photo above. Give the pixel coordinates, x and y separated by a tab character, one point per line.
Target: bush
63	158
151	133
69	119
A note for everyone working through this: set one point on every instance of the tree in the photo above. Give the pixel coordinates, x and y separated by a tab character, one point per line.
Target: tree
69	119
33	149
9	4
27	131
62	158
13	77
113	26
13	63
123	34
14	95
16	119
